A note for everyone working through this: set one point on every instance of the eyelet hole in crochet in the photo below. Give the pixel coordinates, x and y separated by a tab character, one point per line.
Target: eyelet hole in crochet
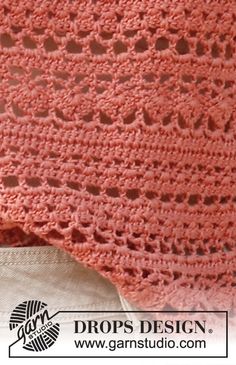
132	194
199	122
16	70
130	33
124	79
141	45
106	35
113	192
149	248
72	16
131	245
107	268
130	118
79	78
53	182
33	182
77	236
13	82
150	195
194	199
177	275
229	52
227	248
209	200
59	113
55	235
215	52
145	273
100	90
99	238
29	43
182	46
50	45
104	77
146	117
63	75
38	30
224	199
129	272
10	181
73	47
104	118
41	114
164	77
35	72
162	43
83	34
92	189
187	78
149	77
17	110
88	117
118	233
180	198
6	40
64	224
40	223
2	107
211	124
166	120
97	48
73	185
166	198
119	47
6	10
152	30
164	249
16	237
200	50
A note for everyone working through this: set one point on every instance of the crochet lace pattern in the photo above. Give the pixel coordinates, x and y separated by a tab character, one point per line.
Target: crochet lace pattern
118	142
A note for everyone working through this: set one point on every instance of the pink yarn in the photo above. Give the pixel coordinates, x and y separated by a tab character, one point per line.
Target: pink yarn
118	142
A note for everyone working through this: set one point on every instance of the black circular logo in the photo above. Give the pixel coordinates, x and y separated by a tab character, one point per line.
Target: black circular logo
34	325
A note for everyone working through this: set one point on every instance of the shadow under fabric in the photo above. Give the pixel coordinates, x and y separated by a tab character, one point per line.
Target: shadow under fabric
118	142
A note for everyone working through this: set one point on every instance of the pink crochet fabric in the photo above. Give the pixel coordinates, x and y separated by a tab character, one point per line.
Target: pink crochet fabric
118	142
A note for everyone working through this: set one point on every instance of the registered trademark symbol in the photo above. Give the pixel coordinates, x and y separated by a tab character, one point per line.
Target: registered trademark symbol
210	330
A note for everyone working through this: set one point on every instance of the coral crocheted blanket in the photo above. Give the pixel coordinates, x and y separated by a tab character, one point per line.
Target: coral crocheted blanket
118	142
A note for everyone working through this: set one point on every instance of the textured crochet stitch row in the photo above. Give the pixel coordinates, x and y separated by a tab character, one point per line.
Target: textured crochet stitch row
118	142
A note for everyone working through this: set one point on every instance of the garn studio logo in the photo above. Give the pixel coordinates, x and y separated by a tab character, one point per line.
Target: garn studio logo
34	325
